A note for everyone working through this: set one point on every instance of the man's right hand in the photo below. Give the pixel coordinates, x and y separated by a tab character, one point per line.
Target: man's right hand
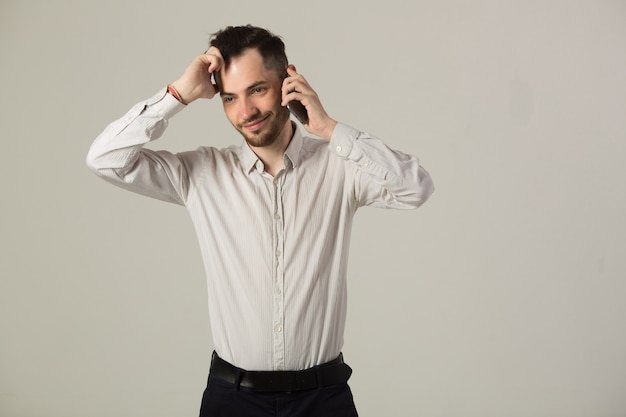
196	81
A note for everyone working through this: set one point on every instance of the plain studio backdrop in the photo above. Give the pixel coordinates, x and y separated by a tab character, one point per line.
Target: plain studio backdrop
503	296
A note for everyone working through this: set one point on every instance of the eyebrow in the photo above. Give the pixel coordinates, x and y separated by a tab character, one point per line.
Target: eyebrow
251	87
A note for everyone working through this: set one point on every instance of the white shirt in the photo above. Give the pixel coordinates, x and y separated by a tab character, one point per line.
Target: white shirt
275	249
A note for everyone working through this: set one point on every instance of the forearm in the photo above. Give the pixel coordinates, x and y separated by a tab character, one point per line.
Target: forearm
387	178
117	147
117	154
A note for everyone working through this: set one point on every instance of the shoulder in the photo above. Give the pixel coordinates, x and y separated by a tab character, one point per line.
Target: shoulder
314	145
205	154
207	159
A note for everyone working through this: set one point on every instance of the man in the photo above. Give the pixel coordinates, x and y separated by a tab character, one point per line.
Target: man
273	218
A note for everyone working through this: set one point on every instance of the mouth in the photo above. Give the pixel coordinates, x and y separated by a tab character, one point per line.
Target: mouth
255	124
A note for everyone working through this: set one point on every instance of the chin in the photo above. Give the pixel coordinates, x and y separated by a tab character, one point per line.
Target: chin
260	141
269	134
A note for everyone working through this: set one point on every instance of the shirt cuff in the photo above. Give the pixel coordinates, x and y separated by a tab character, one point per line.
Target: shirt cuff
342	141
164	104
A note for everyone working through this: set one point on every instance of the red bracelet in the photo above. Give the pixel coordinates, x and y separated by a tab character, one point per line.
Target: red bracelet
174	93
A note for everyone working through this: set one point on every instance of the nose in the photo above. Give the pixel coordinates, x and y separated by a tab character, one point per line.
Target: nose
248	109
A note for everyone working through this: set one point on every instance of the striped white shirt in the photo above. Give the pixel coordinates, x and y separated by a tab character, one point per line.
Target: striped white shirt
275	249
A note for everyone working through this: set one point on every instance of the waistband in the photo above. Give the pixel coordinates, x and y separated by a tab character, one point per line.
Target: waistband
330	373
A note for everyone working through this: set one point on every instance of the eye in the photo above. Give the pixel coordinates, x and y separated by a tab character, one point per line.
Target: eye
227	99
258	90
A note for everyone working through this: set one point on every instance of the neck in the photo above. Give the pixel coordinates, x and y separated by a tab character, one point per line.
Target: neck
272	155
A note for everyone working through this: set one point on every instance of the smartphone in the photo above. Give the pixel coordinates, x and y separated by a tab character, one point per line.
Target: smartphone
299	111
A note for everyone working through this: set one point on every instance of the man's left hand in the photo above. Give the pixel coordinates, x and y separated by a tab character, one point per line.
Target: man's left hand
296	87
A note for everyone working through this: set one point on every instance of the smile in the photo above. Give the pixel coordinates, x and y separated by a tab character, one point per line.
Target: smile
255	125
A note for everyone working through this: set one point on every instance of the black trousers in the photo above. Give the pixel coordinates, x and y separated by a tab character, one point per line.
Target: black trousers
223	399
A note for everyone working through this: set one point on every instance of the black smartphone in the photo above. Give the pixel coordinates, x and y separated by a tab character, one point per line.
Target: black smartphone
297	109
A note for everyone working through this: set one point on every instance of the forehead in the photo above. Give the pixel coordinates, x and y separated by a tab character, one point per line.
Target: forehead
245	70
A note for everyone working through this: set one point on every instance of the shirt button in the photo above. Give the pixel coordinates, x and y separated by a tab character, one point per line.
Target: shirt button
277	291
277	216
278	328
338	148
277	253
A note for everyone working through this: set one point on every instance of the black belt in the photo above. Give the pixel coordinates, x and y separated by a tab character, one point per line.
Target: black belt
330	373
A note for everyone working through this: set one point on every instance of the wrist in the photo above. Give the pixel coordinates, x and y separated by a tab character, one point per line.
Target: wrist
329	128
186	93
174	93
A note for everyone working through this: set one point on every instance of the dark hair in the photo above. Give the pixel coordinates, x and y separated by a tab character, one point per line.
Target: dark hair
233	41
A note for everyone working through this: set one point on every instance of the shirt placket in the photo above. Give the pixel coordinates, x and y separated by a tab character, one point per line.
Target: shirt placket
278	316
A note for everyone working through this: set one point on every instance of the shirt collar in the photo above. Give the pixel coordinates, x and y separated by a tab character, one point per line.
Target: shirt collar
293	151
251	161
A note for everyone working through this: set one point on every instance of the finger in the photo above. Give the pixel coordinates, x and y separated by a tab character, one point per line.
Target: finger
292	75
291	81
296	84
292	90
215	66
214	51
215	63
214	58
287	89
291	70
293	95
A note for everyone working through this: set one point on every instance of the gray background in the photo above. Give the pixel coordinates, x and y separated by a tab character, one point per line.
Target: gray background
502	296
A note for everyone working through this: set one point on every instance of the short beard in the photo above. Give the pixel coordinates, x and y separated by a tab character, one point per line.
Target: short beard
269	136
